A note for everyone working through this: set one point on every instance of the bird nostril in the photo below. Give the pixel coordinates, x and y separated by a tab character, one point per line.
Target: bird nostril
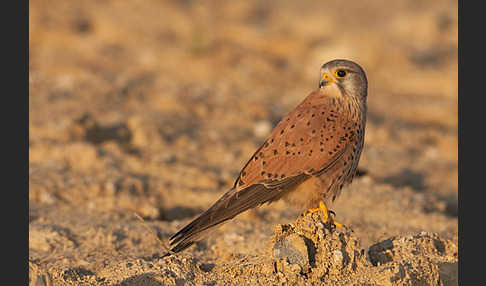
325	80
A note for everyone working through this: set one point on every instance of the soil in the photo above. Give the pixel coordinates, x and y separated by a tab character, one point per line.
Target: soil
151	108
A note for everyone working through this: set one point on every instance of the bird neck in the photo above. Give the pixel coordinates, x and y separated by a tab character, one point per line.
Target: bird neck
353	107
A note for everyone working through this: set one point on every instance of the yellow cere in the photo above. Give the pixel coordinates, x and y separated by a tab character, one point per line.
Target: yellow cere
327	77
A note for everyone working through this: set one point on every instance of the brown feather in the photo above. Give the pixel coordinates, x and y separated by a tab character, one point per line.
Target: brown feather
307	139
313	141
227	207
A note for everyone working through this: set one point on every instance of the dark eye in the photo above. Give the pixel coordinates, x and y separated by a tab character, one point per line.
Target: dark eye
341	73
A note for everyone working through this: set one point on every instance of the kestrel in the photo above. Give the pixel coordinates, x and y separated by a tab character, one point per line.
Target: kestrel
309	156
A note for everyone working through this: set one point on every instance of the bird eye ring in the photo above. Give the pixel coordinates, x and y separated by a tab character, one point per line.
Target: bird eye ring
340	73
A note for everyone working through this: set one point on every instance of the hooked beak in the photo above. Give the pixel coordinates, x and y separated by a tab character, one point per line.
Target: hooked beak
325	80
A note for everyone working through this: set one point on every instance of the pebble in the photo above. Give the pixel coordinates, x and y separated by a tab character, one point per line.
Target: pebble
262	128
338	256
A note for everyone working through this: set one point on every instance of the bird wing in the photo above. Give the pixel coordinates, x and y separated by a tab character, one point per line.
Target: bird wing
305	142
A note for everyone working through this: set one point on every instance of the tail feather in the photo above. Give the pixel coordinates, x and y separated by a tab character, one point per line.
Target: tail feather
224	209
227	207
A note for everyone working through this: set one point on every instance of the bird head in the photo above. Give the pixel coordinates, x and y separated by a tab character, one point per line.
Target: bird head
346	75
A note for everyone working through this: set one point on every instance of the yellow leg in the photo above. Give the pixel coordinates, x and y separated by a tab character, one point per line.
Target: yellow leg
322	207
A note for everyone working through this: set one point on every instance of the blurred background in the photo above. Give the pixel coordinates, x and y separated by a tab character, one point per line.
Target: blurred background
154	107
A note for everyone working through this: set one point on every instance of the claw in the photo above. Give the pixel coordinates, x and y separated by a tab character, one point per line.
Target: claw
327	215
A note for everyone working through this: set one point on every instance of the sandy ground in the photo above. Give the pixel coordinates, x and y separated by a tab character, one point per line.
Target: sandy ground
153	107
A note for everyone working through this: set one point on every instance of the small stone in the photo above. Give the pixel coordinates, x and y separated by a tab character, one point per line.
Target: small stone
262	128
338	256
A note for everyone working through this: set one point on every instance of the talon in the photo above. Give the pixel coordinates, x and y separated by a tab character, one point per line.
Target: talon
337	224
327	218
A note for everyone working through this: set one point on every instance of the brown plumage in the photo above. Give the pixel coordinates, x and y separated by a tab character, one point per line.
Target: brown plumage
309	156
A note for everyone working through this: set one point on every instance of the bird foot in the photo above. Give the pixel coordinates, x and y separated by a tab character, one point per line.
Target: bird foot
327	218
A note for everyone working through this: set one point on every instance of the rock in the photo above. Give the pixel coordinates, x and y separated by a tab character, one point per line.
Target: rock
421	259
406	248
321	252
293	249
